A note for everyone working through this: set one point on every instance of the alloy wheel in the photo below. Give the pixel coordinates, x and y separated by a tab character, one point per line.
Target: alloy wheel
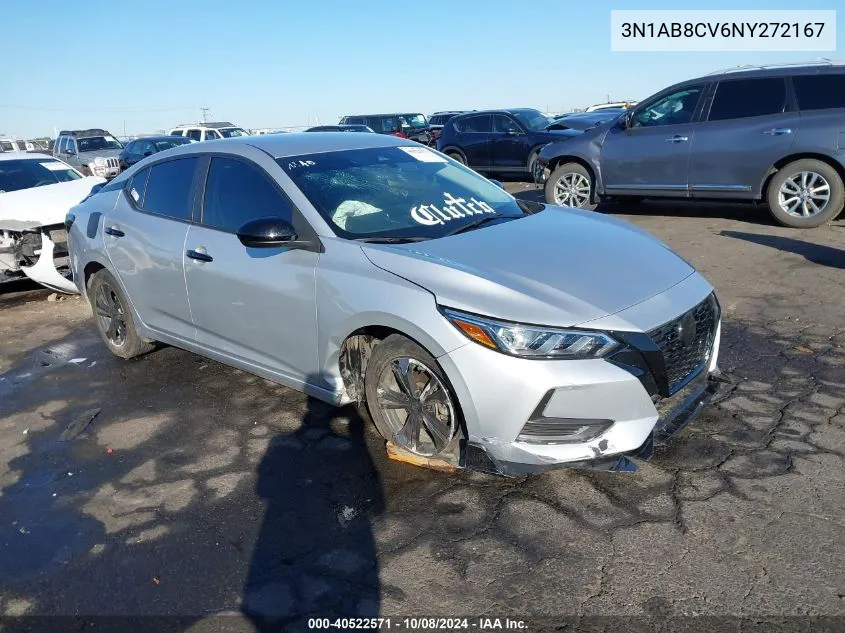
110	315
417	407
572	190
804	194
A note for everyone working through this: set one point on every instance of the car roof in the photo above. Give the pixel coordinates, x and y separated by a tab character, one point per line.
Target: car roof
25	155
498	111
157	137
781	70
296	143
403	113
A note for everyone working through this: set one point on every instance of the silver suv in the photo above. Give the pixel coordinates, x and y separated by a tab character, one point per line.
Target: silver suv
93	152
476	328
775	134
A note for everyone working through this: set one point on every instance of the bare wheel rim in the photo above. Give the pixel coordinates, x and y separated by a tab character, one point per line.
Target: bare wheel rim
804	195
110	315
417	407
572	190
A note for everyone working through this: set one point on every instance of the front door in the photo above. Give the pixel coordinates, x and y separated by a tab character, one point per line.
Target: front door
750	118
650	156
144	237
509	145
253	305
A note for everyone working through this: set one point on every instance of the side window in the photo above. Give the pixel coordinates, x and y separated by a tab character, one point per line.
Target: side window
820	92
169	187
61	146
176	132
673	109
477	124
212	135
743	98
236	193
137	186
194	134
503	124
145	147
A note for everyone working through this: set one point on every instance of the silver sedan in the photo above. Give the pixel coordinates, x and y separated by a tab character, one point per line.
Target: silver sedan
477	329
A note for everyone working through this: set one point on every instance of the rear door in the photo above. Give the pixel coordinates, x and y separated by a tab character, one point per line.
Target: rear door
144	237
508	145
473	138
651	155
254	305
748	125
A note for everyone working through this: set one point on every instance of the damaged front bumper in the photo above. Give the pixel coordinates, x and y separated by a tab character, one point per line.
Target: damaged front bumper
675	413
43	257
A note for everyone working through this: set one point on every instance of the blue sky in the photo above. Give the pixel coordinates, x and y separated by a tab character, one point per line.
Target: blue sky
278	63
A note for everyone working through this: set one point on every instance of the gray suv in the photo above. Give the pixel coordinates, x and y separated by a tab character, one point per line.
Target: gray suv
94	152
772	133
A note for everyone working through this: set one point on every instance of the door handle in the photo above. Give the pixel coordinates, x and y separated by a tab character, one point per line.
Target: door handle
778	131
114	231
199	256
677	139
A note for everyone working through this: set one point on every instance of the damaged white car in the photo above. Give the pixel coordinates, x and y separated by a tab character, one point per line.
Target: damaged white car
36	192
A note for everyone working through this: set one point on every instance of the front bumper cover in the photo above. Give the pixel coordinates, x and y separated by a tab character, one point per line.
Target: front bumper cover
675	413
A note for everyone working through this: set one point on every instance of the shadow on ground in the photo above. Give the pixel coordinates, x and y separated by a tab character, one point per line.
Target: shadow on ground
816	253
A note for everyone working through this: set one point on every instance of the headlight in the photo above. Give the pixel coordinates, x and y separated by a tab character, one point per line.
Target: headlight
532	341
99	160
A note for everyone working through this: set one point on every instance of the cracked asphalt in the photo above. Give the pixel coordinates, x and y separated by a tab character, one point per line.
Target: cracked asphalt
173	485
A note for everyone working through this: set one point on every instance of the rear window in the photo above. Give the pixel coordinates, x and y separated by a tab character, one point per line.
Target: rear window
745	98
480	124
169	187
820	92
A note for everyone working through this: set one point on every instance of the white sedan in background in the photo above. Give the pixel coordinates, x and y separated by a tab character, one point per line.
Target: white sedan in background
36	192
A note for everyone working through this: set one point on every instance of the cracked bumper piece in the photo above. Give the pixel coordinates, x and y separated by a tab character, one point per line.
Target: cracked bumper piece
44	271
674	414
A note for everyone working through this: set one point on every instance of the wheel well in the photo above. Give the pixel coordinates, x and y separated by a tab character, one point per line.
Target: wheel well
560	160
453	150
90	269
783	162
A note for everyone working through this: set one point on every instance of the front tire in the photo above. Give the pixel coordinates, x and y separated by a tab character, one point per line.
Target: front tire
571	185
113	317
805	194
410	401
456	156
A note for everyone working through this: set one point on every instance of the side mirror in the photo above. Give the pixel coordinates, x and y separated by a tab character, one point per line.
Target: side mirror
148	153
70	151
268	233
497	183
625	120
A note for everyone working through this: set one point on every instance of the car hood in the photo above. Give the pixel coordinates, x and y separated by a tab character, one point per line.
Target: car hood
100	153
559	267
43	206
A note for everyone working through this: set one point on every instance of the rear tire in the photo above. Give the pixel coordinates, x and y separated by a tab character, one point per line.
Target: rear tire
799	188
456	156
113	317
571	185
410	400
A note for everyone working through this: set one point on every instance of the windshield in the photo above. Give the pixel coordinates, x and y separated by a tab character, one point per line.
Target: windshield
96	143
28	173
163	145
396	192
534	120
231	132
415	120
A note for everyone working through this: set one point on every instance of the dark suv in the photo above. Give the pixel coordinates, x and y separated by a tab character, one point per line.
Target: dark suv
409	124
771	133
499	141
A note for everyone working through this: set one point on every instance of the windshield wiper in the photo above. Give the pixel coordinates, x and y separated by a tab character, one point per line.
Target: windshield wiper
390	240
475	224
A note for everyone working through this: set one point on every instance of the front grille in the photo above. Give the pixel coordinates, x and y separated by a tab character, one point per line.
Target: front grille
112	163
687	341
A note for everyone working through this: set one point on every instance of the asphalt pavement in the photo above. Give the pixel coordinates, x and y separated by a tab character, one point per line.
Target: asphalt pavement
171	485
